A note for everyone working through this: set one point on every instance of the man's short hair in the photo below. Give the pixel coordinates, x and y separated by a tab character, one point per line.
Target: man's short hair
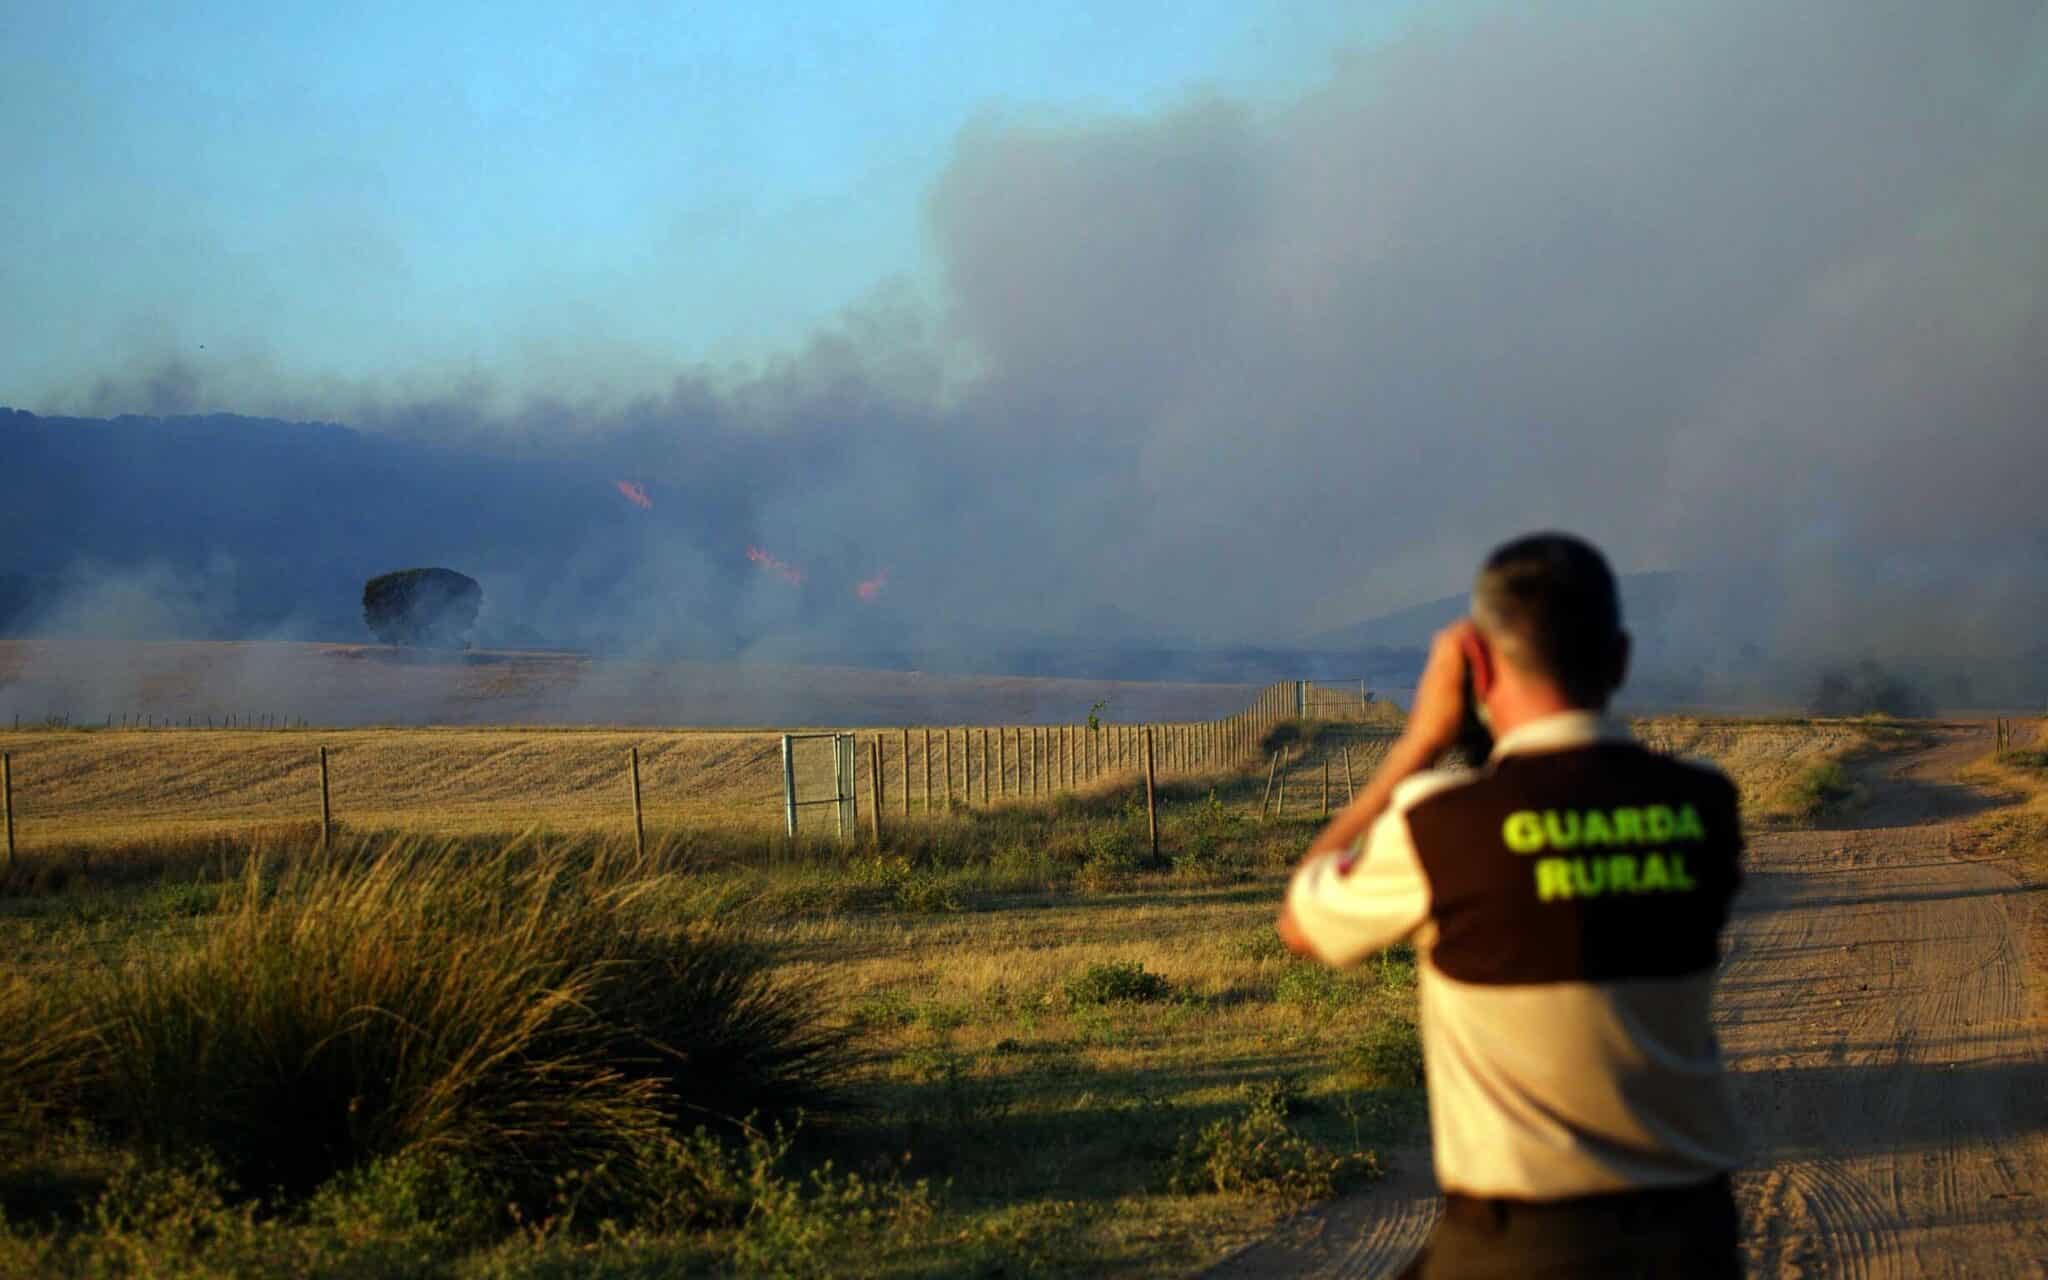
1548	603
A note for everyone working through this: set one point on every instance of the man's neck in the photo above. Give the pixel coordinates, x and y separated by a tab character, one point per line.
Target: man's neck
1513	708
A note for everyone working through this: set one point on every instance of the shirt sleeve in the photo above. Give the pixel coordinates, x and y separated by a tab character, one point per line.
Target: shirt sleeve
1383	897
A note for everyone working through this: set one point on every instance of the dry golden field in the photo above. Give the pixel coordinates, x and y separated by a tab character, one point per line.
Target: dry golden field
116	787
100	786
468	743
1772	761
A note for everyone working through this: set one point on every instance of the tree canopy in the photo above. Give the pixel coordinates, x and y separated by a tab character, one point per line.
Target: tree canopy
436	607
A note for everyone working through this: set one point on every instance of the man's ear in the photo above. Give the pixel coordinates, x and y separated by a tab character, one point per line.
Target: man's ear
1621	652
1479	662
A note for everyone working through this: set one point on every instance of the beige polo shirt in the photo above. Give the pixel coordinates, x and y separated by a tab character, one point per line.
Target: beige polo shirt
1565	902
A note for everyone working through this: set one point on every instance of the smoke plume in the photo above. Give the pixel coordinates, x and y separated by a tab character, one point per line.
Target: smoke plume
1750	291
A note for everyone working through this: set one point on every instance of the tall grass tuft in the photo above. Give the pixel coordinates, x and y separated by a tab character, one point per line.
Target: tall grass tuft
540	1017
47	1060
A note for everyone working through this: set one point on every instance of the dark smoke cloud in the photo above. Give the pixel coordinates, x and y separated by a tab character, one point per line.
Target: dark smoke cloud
1749	290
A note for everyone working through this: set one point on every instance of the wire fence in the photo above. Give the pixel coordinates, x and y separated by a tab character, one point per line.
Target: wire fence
62	786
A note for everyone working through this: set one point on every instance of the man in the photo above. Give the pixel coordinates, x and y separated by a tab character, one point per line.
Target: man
1565	901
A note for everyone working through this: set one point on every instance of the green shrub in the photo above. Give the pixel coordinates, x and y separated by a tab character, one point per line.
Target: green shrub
1114	982
533	1021
1115	847
1257	944
787	1225
1214	842
1388	1055
406	1194
1259	1152
1310	986
925	892
1020	866
1822	789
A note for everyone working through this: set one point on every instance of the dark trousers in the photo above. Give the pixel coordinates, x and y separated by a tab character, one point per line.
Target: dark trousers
1687	1232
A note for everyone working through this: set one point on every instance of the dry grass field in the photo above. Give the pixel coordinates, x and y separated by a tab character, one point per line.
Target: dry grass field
1068	1056
127	786
117	787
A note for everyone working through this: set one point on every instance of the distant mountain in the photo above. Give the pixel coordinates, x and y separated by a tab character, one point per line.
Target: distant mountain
225	527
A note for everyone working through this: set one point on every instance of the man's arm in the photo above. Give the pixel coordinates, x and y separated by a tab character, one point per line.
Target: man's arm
1431	729
1341	909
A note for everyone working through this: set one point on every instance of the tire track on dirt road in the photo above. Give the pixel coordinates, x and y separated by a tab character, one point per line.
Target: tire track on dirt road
1874	1009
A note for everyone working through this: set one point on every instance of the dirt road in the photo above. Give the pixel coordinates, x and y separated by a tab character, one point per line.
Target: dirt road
1874	1008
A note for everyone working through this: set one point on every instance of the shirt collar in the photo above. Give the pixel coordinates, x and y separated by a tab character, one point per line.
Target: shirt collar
1559	732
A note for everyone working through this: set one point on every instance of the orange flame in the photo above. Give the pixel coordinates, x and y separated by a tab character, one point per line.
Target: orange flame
869	590
787	572
636	493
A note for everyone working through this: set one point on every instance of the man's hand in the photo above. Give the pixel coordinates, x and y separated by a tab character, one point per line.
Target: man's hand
1440	698
1432	728
1291	935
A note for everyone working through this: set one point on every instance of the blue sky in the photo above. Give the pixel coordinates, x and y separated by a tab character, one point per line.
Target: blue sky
372	190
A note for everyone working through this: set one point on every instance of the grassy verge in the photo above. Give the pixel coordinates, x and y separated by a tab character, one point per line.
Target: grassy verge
1789	773
1016	1041
2017	830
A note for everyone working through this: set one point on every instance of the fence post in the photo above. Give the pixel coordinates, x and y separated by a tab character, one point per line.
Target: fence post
1326	786
984	767
326	804
639	826
1002	761
1350	793
947	735
7	801
788	789
927	771
1151	799
875	785
1266	801
906	775
851	781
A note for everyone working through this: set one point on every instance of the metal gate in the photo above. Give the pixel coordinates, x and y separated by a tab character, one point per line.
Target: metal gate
817	784
1332	700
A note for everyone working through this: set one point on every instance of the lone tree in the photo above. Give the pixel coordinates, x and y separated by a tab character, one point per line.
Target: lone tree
422	606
